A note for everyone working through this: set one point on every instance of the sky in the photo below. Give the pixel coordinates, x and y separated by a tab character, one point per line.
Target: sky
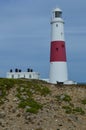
25	36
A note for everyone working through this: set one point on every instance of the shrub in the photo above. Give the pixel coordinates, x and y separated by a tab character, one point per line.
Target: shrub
1	102
68	109
25	90
78	110
45	91
32	110
32	104
63	97
83	101
67	98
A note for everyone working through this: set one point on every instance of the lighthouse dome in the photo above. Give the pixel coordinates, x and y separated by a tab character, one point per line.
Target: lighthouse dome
57	10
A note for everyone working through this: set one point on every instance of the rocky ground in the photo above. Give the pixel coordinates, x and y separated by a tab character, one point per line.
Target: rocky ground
64	108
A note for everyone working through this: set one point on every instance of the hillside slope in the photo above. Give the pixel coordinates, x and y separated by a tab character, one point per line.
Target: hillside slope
37	105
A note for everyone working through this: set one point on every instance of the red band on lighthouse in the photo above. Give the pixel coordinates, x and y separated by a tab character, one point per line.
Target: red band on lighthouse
58	52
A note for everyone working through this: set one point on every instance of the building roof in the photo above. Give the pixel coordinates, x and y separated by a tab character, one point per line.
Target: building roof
57	9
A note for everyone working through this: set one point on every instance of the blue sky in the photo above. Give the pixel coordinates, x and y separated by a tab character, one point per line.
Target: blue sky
25	36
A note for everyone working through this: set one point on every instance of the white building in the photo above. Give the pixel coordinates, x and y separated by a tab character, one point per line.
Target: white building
70	82
28	75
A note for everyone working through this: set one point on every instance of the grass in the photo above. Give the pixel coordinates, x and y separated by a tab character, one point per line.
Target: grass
69	108
30	105
76	110
63	97
79	110
5	86
67	98
25	95
83	101
25	89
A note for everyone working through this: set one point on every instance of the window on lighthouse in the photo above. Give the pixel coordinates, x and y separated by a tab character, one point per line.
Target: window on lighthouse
57	14
57	49
56	25
63	45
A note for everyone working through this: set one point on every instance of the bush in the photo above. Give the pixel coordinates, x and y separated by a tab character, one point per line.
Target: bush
25	91
78	110
68	109
63	97
83	101
45	91
32	110
32	104
67	98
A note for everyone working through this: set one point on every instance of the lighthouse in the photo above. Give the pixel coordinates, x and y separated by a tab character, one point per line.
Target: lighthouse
58	61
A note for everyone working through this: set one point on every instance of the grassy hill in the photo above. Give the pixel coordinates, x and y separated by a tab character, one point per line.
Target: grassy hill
37	105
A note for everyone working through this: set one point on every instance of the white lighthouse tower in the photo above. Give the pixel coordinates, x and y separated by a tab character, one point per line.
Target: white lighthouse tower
58	63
